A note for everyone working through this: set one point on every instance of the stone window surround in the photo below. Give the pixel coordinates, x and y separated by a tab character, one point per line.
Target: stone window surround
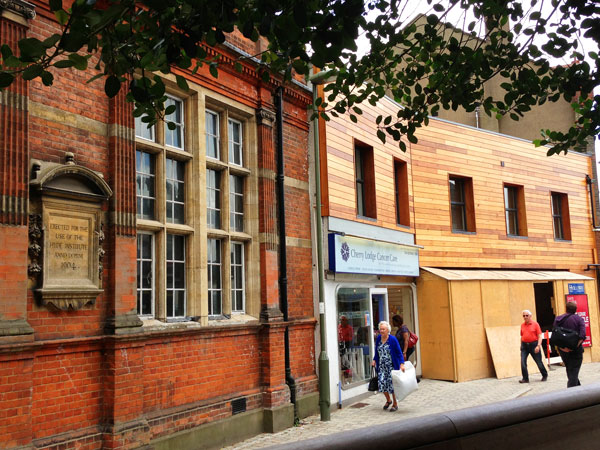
196	101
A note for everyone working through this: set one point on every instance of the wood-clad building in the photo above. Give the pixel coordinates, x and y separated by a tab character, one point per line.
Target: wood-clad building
496	226
488	201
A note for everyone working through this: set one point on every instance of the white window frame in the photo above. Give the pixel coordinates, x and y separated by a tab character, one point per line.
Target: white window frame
241	289
216	191
174	289
232	144
216	137
153	272
139	126
210	265
180	126
153	176
169	204
233	213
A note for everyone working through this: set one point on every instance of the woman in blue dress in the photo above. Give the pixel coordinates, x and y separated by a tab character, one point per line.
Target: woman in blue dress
388	357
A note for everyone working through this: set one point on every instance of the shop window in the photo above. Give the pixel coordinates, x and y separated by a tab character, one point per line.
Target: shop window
560	216
514	210
461	204
401	193
355	332
365	181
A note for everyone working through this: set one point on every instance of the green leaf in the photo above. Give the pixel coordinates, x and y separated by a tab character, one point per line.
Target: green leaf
13	61
32	72
47	78
182	83
112	86
5	51
62	16
51	41
381	136
6	79
213	70
55	5
63	64
79	62
31	49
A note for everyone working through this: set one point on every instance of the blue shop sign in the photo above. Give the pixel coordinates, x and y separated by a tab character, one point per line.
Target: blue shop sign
576	288
355	255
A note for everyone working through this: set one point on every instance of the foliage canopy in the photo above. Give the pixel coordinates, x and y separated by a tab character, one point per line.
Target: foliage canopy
423	65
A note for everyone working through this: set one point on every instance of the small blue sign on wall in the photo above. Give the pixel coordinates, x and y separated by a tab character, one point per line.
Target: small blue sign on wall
576	288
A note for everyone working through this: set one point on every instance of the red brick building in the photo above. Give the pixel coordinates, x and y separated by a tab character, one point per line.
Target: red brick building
141	297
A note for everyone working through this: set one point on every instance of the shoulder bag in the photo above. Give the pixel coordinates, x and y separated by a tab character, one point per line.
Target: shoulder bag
412	339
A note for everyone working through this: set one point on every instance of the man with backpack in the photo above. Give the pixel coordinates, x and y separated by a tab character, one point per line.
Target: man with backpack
572	357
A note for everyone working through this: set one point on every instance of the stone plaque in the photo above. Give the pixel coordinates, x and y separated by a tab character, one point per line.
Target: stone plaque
65	233
72	254
69	244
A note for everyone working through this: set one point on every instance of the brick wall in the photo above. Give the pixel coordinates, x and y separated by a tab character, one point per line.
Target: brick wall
75	386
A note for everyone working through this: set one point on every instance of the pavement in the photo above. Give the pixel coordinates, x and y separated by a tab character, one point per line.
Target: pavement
432	397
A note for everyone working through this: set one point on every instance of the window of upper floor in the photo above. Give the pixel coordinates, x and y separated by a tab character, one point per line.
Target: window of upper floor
401	196
514	210
364	171
561	220
462	206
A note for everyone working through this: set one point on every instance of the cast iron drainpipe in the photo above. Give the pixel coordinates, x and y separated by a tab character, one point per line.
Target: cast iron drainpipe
588	180
283	297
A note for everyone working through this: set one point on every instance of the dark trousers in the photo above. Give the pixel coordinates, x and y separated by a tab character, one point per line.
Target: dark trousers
528	348
572	362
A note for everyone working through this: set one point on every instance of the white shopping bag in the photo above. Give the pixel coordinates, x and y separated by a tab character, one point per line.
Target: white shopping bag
404	382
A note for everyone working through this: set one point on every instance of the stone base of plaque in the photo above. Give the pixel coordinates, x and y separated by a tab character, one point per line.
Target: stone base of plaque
15	330
123	324
65	300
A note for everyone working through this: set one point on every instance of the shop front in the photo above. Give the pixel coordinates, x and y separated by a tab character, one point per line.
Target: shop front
368	281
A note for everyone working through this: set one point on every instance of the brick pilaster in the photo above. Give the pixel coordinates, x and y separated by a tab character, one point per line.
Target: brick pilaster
269	286
275	390
14	160
121	294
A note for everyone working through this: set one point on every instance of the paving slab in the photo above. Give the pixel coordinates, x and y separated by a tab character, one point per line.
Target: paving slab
432	397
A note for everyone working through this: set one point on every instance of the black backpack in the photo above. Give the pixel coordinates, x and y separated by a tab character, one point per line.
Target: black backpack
564	337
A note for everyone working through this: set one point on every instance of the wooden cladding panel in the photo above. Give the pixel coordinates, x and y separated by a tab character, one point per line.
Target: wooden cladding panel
341	136
479	155
491	160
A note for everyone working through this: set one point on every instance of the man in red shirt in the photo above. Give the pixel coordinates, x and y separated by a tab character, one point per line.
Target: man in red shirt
345	332
531	344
